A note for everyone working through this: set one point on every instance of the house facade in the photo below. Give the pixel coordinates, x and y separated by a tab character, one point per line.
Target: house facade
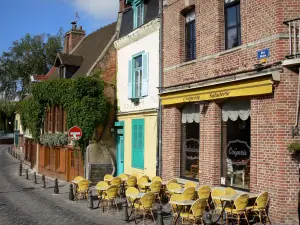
82	56
137	82
230	97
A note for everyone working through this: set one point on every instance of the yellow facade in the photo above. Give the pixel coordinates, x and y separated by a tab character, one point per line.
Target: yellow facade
150	143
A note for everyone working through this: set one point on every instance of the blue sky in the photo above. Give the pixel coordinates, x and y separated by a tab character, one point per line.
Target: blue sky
18	17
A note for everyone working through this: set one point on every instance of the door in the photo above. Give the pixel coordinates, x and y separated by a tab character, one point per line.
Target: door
120	151
137	144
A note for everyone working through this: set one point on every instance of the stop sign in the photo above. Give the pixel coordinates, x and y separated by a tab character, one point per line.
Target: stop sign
75	133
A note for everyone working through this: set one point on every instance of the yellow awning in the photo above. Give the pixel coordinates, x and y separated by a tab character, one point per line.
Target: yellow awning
249	87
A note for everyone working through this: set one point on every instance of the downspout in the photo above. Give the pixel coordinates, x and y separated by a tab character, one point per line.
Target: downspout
295	128
160	85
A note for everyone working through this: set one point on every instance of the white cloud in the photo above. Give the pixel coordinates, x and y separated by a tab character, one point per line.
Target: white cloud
98	9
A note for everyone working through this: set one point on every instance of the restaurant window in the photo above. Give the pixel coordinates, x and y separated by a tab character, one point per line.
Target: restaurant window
189	158
236	135
232	23
190	36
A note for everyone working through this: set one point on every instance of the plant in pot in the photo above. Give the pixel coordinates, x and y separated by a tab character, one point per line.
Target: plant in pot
294	147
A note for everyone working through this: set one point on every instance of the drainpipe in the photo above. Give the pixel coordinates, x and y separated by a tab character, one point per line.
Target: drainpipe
160	85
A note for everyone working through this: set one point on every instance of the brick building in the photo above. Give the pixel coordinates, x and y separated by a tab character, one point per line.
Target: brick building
230	96
82	56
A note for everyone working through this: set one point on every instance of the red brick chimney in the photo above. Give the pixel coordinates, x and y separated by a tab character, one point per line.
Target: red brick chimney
73	37
123	5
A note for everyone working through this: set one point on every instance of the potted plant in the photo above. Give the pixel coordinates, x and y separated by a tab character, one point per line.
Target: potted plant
294	147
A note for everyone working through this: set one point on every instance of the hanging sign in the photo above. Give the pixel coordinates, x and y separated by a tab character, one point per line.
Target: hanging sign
238	151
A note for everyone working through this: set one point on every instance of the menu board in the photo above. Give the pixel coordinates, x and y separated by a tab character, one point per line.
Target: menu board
97	172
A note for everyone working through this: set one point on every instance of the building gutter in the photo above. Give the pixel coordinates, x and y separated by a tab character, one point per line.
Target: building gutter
159	117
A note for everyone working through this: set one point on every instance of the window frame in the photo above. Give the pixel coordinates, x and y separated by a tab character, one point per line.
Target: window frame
140	83
192	55
234	3
135	5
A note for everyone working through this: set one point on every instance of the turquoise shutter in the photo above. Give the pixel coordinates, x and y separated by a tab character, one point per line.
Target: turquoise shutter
134	16
130	79
138	143
145	74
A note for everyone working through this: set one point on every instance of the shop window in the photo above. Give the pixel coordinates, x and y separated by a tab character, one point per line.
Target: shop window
189	159
138	13
232	23
138	76
236	135
190	36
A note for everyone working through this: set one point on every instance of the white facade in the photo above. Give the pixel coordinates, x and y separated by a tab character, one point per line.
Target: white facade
144	39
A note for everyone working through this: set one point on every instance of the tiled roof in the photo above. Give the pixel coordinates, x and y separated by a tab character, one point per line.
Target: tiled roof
68	59
45	77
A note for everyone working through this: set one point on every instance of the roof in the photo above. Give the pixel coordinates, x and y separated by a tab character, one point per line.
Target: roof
88	51
68	59
43	76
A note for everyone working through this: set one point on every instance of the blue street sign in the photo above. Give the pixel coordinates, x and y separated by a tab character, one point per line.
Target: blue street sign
264	53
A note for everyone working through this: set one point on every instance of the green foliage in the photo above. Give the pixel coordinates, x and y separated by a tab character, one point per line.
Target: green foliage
82	98
294	147
55	139
28	56
7	114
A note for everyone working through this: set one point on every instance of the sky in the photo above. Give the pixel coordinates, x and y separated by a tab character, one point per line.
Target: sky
18	17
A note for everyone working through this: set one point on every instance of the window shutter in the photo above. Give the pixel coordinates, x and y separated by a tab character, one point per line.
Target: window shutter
134	17
46	122
60	119
145	75
130	85
53	119
138	143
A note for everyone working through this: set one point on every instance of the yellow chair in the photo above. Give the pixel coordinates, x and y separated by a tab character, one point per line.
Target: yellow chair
166	189
189	193
144	206
174	207
172	186
131	190
140	182
136	175
108	177
156	178
82	189
116	181
171	181
238	209
194	215
259	207
131	181
104	185
78	178
110	197
204	192
145	176
229	191
217	202
190	184
155	188
123	177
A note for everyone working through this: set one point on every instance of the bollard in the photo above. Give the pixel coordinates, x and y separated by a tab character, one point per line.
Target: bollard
159	220
27	177
90	200
34	178
44	181
56	190
20	168
125	211
207	218
71	193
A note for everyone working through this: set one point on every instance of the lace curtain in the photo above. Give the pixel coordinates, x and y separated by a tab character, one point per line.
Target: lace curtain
234	108
191	113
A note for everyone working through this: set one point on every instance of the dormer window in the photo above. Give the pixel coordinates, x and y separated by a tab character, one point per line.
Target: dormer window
61	72
138	13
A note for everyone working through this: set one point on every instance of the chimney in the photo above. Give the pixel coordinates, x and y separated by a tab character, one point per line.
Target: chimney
73	37
123	5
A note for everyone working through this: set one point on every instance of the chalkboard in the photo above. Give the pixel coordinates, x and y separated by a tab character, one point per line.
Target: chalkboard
97	172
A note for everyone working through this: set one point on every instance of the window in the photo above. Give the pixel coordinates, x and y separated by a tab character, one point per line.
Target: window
57	118
50	119
138	13
65	121
138	76
189	158
232	24
138	143
190	36
61	72
236	144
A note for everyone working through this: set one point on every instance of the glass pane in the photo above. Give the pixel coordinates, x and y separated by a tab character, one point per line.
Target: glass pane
136	83
232	38
231	16
138	62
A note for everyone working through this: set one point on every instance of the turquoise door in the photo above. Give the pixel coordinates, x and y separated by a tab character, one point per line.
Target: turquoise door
120	151
138	143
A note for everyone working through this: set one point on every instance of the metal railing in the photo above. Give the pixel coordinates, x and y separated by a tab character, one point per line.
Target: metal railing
294	38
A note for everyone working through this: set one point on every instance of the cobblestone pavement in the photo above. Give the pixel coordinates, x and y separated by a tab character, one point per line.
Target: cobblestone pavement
26	203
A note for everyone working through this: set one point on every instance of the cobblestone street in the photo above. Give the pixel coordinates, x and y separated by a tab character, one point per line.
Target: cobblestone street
26	203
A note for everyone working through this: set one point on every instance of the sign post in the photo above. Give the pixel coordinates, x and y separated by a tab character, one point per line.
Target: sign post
75	133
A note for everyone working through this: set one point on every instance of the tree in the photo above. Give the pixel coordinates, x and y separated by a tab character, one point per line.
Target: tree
28	56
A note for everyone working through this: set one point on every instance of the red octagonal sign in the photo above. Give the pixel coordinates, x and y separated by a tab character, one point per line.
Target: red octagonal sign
75	133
